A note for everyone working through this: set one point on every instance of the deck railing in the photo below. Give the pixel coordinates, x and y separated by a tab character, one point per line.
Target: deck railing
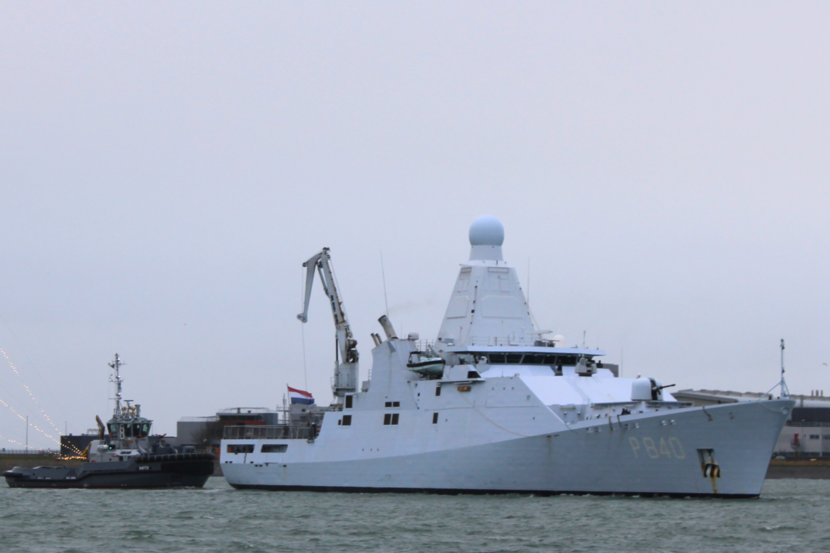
276	432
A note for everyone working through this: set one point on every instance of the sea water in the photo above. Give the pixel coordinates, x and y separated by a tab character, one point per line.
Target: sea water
791	516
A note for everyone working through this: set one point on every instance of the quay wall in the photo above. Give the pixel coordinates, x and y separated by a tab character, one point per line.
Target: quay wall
9	461
804	469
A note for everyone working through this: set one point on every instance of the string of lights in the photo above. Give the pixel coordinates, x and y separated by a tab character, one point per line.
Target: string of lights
15	442
31	395
35	426
42	412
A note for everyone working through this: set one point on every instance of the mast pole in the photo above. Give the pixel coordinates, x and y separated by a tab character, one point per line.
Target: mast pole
785	392
116	365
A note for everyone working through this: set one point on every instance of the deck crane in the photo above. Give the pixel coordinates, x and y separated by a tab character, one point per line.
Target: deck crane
346	361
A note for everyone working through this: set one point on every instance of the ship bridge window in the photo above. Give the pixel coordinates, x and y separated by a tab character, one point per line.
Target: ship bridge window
240	448
140	430
274	448
531	359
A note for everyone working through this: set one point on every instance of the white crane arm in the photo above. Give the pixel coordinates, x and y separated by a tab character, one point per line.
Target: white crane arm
311	264
345	341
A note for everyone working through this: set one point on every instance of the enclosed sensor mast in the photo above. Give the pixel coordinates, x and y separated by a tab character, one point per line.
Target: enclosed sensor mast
346	364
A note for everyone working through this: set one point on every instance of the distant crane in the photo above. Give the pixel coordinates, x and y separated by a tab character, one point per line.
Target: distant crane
346	354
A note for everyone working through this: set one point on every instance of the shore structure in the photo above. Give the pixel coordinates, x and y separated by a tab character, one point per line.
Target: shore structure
494	406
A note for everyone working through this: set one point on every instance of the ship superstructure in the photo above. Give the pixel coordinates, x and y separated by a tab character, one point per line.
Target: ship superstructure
493	406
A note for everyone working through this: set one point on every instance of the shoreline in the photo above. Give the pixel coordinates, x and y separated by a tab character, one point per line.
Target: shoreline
806	469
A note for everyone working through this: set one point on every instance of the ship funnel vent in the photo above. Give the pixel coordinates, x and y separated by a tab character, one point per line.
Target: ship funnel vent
387	327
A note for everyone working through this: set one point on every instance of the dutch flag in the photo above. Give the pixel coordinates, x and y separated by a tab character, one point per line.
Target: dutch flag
299	396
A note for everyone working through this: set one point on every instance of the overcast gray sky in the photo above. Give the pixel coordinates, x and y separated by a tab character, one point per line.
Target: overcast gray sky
661	170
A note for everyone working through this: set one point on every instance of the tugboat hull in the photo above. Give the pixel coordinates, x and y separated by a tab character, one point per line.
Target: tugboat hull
184	470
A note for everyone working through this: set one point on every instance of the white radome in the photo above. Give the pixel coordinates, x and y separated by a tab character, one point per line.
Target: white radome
486	231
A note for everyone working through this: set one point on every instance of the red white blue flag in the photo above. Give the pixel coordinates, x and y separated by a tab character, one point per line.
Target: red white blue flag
300	396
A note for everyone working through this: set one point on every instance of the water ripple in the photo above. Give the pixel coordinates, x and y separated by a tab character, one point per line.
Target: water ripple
791	515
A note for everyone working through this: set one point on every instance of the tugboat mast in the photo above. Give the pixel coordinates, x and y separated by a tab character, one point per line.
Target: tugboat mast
117	379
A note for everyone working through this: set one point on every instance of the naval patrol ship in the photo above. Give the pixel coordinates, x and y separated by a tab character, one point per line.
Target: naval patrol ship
121	457
493	406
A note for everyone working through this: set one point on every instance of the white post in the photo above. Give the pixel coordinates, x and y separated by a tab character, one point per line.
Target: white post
785	392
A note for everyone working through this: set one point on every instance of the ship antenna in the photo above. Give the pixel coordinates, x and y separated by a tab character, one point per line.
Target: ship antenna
305	371
785	392
116	365
383	276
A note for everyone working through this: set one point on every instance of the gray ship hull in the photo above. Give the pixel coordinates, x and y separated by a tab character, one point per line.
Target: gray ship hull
648	455
149	471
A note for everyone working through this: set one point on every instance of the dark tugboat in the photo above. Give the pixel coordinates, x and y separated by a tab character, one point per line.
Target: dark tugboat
121	457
